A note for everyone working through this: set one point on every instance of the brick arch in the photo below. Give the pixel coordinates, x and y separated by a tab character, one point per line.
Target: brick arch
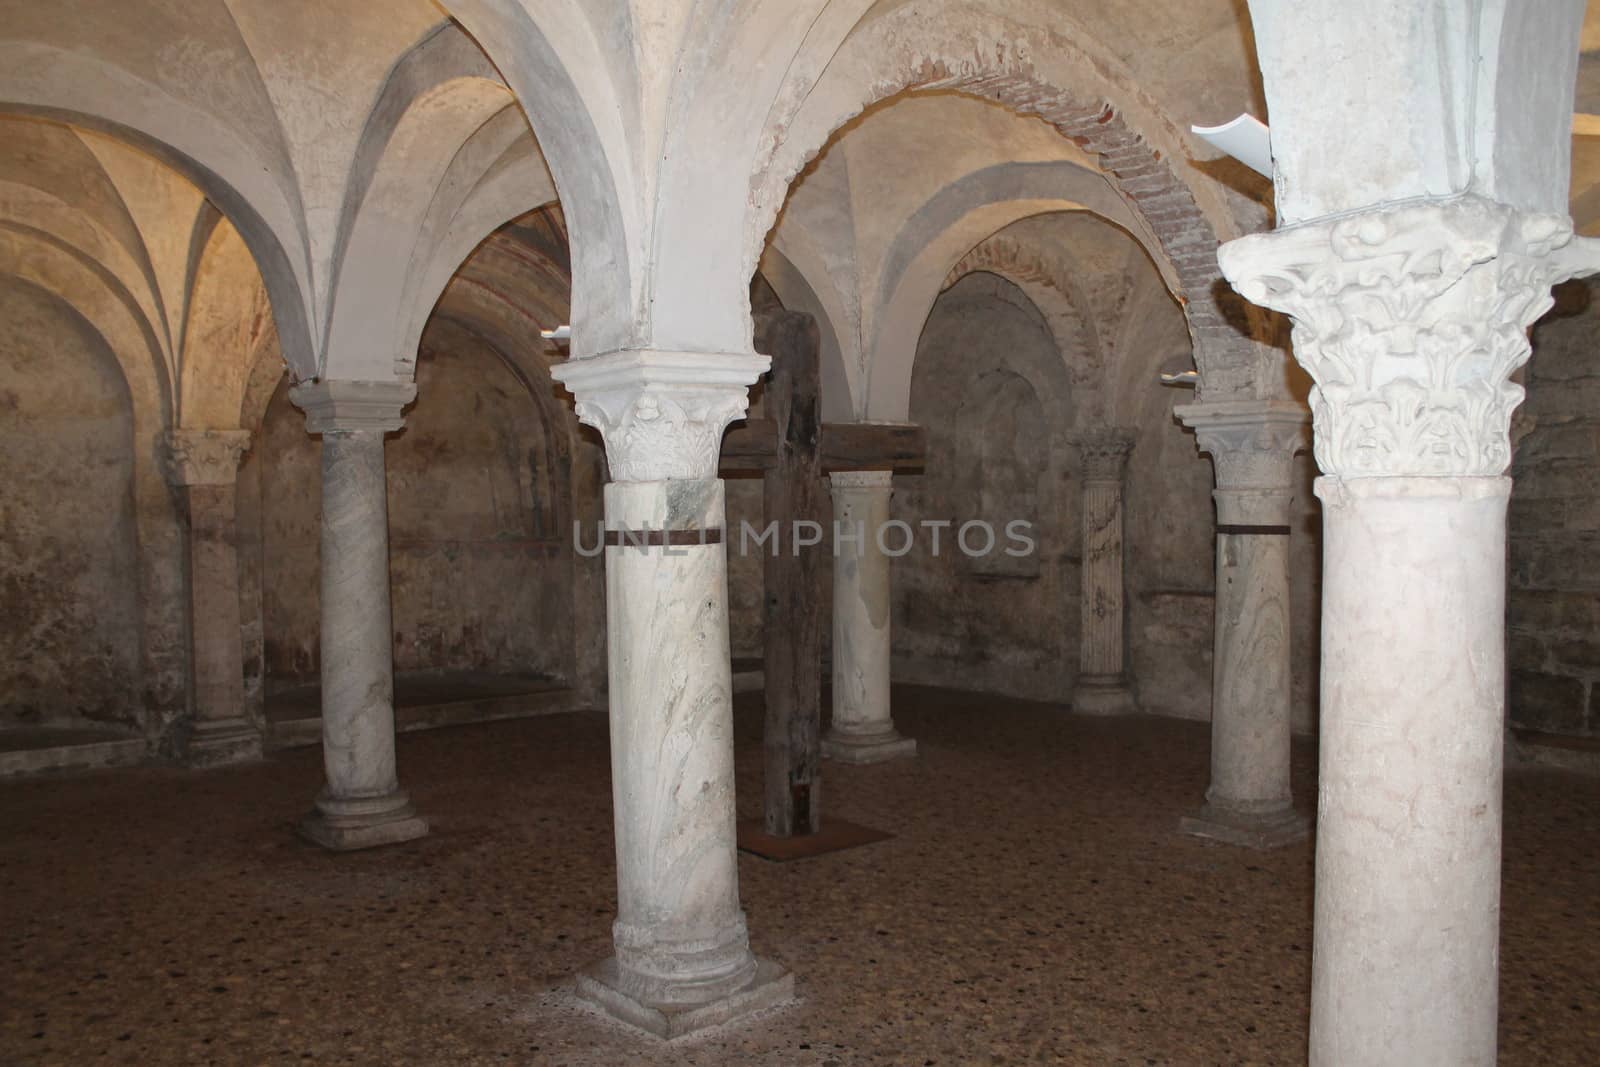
1063	308
1140	174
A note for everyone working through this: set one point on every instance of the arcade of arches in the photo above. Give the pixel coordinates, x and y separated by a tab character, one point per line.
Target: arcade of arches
385	646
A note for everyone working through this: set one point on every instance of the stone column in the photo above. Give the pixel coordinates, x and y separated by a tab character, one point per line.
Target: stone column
1411	318
1102	687
361	805
204	465
1252	446
863	729
682	955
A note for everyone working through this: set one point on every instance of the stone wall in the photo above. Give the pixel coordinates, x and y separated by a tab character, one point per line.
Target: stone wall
481	564
69	565
1553	604
993	393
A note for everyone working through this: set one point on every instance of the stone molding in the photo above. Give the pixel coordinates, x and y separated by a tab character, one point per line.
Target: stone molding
1411	318
353	407
1252	444
204	457
846	481
662	414
1104	452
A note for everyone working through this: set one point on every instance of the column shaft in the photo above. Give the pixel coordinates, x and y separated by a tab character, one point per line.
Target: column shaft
1408	832
357	649
1102	583
204	464
1252	446
214	604
863	725
1411	317
361	804
680	933
1102	687
1250	672
682	953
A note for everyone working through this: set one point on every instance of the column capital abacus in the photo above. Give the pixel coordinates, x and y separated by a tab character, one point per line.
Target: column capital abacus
662	414
335	406
861	480
204	457
1103	451
1411	318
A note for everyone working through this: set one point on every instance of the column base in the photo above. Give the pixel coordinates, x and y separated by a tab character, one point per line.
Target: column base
1103	698
602	986
1263	832
343	825
860	749
217	742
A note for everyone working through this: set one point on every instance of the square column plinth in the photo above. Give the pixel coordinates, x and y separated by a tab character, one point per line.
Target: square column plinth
602	985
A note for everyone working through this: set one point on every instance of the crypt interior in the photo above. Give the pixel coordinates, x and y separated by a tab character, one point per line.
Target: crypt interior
389	390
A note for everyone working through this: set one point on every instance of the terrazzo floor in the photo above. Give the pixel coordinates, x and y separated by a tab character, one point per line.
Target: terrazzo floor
1035	907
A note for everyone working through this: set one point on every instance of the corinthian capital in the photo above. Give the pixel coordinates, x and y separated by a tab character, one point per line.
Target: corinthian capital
205	457
662	414
1104	452
1411	318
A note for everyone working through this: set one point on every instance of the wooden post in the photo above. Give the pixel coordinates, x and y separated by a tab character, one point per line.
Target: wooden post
793	450
792	489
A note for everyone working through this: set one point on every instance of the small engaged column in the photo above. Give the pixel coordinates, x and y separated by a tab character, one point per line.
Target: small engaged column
361	804
1252	447
1102	687
682	954
204	465
863	728
1411	318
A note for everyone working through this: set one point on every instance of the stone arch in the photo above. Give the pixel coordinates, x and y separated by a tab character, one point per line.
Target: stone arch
1057	299
558	71
199	146
73	654
794	286
1032	70
439	95
999	425
970	370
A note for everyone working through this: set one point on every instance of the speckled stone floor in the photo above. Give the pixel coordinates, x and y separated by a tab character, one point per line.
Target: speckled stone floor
1036	907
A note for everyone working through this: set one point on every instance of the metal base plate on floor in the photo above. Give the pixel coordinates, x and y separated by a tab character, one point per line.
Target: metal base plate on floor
835	836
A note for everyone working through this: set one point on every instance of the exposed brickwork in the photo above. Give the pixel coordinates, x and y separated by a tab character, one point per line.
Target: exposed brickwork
1011	260
1553	608
1151	186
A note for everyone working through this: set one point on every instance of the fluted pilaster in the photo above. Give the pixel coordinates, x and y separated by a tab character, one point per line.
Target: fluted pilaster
1102	687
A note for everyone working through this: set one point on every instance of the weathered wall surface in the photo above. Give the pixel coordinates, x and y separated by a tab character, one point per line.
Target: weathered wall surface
69	566
1553	604
993	394
480	557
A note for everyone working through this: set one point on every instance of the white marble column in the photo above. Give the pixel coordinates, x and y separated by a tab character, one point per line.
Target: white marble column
863	728
204	466
1252	446
682	955
1411	318
1102	687
361	804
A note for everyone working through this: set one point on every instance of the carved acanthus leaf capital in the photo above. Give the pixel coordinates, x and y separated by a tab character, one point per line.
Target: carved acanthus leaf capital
662	414
1411	319
1104	452
205	457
